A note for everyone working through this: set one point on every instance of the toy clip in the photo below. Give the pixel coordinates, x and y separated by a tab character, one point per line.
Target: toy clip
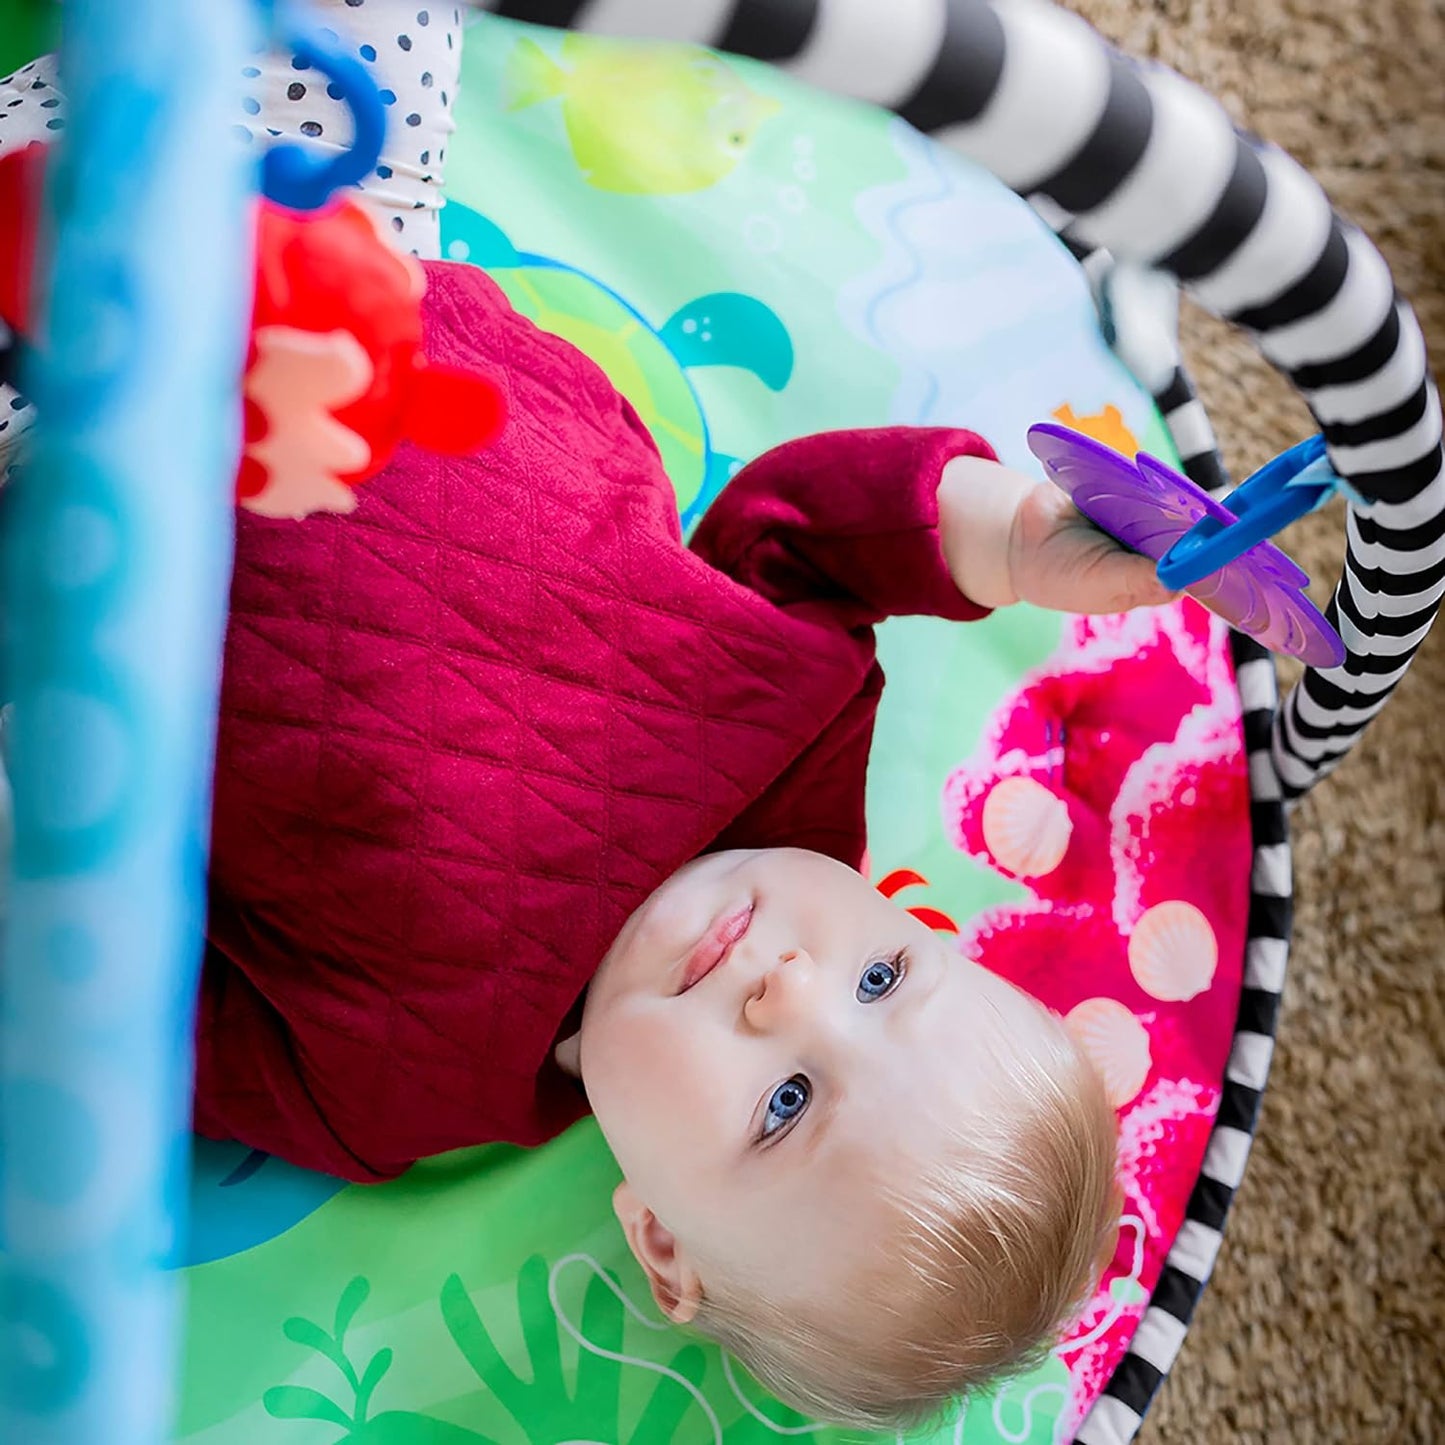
1295	482
1227	563
292	177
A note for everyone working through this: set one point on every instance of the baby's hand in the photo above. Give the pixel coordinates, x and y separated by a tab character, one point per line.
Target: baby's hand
1009	538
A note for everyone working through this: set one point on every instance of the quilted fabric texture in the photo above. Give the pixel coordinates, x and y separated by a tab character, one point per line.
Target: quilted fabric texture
467	729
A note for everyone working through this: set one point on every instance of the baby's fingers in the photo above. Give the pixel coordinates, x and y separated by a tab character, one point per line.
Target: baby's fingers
1106	579
1135	582
1058	559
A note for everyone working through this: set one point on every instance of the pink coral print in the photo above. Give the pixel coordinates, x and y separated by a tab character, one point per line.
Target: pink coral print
1113	786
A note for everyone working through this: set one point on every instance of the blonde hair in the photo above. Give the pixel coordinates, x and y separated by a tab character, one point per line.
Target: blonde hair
986	1256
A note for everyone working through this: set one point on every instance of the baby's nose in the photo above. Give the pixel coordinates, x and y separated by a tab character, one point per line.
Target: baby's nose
782	991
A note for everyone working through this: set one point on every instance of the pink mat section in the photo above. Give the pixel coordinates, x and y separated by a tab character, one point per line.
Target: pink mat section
1113	786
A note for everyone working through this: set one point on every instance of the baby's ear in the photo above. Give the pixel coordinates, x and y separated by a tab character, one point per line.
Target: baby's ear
675	1284
568	1054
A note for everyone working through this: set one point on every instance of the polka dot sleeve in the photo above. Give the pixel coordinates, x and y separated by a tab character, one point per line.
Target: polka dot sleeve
414	51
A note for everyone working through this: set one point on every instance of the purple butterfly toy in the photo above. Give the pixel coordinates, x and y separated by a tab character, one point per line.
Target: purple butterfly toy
1219	553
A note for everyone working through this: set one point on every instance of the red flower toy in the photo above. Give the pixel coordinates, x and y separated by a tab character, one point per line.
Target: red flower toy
336	378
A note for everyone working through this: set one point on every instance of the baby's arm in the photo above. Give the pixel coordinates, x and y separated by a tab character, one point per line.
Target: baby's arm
846	520
817	803
904	520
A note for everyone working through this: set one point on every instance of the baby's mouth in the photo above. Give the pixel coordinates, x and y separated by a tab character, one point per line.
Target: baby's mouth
713	948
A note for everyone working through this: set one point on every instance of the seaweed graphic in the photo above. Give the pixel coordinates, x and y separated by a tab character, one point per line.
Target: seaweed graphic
543	1407
394	1427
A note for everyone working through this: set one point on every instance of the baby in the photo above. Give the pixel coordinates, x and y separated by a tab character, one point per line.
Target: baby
523	808
871	1169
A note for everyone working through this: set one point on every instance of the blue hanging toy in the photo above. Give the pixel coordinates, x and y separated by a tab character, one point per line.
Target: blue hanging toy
291	176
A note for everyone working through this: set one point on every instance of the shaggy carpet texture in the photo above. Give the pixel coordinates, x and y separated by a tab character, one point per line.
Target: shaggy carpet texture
1325	1319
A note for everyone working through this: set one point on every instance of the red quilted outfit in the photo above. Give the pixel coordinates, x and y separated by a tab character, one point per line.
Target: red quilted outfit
467	729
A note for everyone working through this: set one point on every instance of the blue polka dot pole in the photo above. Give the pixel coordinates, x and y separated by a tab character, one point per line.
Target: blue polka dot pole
117	559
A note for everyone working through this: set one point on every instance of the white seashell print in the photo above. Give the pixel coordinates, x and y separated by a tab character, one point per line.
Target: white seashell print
1026	827
1116	1043
1173	951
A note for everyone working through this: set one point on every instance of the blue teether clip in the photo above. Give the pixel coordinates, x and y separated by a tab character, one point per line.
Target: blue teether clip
1295	482
293	178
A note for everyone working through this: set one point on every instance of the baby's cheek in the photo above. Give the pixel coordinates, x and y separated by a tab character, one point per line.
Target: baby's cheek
659	1067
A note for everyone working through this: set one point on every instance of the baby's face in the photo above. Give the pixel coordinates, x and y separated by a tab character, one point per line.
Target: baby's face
766	1036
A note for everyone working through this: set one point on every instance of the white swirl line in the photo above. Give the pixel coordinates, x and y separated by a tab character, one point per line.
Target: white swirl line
727	1364
959	1424
1027	1411
1116	1310
584	1343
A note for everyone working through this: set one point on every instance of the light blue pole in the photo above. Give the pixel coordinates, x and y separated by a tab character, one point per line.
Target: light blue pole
117	546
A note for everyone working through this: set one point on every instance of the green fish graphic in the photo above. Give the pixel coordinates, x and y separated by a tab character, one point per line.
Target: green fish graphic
642	120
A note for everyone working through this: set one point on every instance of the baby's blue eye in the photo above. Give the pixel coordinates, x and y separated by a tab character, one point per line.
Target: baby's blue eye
880	978
788	1100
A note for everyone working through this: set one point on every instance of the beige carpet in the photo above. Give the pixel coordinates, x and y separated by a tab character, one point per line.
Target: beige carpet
1325	1319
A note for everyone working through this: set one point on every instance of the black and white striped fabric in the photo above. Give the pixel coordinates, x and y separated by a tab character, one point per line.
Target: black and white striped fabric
1135	160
